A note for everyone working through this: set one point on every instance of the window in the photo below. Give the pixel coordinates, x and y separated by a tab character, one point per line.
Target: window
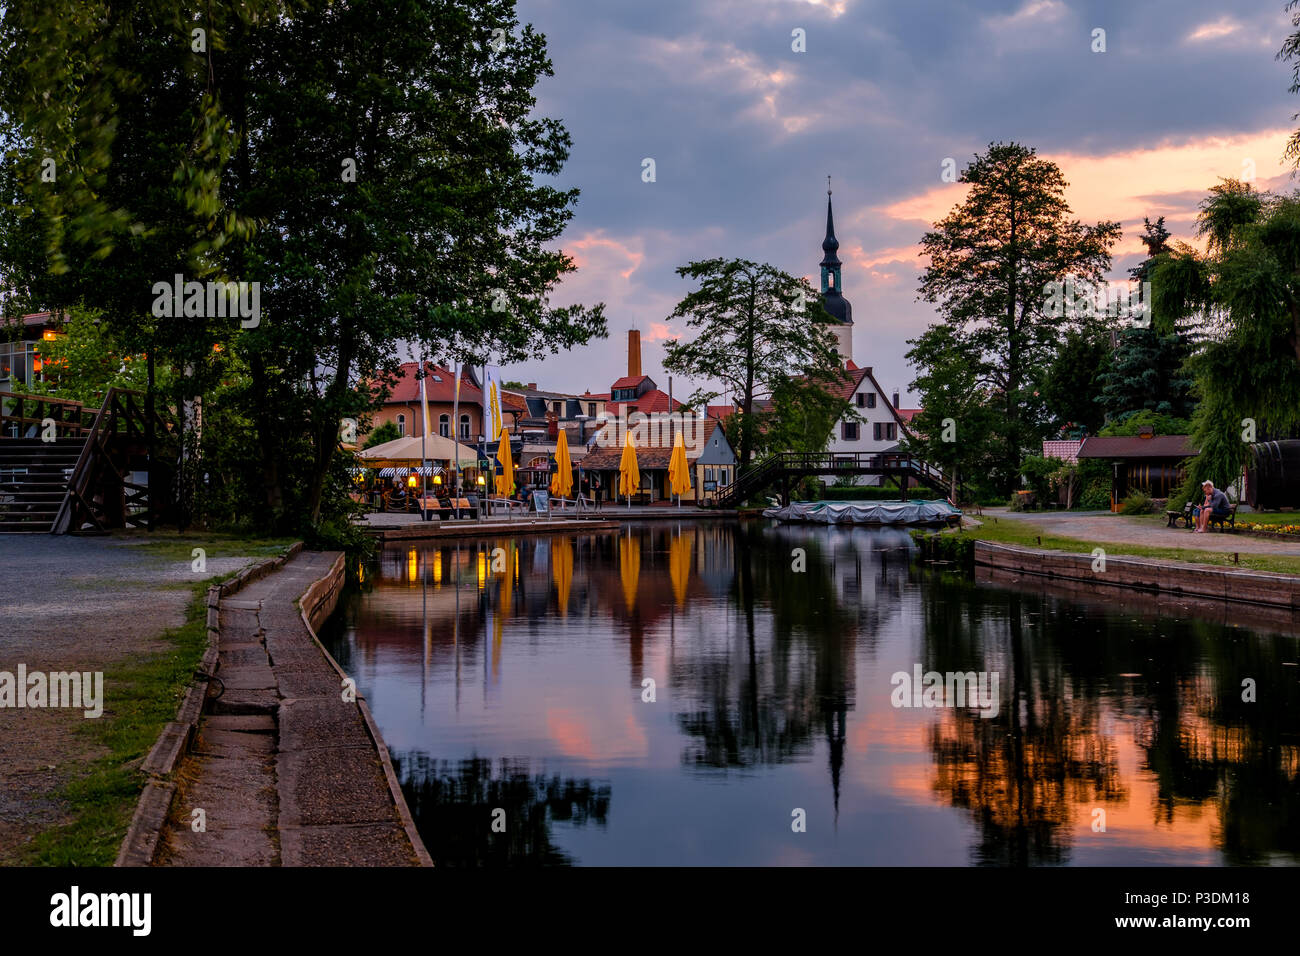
401	424
876	431
464	427
559	409
862	399
849	431
871	399
891	431
444	426
591	409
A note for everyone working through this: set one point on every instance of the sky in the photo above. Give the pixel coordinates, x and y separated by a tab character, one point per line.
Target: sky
744	131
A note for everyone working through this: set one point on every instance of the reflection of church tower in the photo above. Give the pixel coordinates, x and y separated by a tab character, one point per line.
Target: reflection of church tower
832	292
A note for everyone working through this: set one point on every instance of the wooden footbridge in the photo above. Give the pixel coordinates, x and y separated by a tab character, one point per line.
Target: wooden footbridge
68	468
785	469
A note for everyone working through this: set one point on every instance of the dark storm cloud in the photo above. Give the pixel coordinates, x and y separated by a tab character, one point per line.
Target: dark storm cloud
743	132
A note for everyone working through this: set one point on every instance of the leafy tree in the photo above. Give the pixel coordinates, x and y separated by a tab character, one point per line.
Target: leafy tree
84	362
990	262
1158	423
758	330
801	416
1242	297
381	185
956	429
385	432
1148	369
1071	386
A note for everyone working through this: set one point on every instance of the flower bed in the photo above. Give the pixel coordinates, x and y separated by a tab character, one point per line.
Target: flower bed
1272	530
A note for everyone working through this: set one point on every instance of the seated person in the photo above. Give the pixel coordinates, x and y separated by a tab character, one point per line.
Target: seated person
1215	503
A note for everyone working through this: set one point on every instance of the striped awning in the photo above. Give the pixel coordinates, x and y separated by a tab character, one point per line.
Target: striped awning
417	470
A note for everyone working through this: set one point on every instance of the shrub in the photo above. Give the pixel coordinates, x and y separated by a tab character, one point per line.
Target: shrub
1038	472
1138	502
1096	496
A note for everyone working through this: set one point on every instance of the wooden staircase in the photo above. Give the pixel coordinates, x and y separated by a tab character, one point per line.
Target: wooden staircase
68	469
34	481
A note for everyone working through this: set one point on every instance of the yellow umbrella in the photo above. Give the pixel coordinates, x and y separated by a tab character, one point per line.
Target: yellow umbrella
629	475
562	569
562	480
505	482
679	475
629	569
679	566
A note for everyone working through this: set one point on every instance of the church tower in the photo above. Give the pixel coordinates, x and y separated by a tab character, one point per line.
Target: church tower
832	292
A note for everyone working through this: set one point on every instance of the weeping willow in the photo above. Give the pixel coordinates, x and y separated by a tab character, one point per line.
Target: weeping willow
1240	299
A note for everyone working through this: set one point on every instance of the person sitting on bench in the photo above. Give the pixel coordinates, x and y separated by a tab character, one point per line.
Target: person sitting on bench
1215	503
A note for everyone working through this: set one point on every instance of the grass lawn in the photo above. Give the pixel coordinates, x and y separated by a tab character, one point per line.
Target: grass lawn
1025	533
142	698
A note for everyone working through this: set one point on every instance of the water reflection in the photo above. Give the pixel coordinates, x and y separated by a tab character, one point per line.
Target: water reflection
472	814
514	670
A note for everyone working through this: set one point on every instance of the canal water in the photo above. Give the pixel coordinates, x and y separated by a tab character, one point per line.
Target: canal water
735	694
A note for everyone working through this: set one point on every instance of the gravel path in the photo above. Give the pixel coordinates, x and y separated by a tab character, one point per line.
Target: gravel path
1106	528
74	603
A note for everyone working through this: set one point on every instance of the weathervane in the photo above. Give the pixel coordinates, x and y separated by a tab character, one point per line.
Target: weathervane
828	185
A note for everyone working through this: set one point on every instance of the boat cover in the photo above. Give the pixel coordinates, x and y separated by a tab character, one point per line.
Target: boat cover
919	511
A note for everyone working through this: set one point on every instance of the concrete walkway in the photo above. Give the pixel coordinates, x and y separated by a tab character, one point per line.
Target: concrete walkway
283	770
1106	528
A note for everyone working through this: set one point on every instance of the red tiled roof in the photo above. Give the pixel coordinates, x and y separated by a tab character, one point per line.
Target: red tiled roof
510	400
652	401
907	414
406	388
629	381
1133	446
603	396
719	412
652	450
32	319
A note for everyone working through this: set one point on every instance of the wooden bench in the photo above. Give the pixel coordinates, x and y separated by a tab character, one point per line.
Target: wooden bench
1224	521
1184	516
446	508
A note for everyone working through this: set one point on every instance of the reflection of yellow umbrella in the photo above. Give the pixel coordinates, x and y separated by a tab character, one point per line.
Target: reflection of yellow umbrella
629	475
505	482
505	604
562	480
562	570
679	566
629	569
679	476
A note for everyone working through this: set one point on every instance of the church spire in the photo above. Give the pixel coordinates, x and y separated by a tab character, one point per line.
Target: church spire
830	245
832	296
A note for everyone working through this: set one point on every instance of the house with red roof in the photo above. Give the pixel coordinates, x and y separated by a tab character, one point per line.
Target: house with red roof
402	407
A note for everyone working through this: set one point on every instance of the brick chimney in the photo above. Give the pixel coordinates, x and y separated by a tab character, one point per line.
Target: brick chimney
633	353
895	400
